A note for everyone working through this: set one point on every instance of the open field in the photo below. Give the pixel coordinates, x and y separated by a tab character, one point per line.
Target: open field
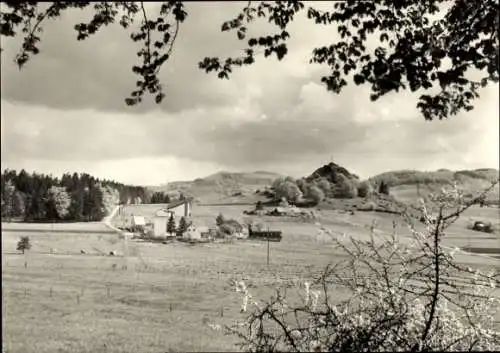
160	297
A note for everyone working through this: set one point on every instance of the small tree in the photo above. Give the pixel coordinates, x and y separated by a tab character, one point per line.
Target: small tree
315	194
24	244
383	188
325	186
364	189
406	294
259	206
181	229
171	225
220	219
345	188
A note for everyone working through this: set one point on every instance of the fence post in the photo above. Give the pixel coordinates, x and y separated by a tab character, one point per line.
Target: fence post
107	290
170	307
50	294
268	245
221	311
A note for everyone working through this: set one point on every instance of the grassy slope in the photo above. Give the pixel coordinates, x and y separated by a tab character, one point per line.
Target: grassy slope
404	183
136	317
221	187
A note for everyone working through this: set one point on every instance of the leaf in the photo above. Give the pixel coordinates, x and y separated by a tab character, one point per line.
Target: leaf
359	79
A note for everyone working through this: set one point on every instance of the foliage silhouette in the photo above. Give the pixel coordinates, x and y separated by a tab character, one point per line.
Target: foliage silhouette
417	48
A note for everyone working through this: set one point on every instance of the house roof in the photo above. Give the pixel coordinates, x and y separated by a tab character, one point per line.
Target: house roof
162	213
178	203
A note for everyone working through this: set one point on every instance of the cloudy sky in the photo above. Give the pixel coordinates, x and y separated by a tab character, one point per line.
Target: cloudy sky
64	111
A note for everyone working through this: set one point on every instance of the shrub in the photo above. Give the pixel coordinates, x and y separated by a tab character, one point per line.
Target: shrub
315	194
259	206
220	219
325	186
345	188
383	188
24	244
400	298
287	188
227	229
365	188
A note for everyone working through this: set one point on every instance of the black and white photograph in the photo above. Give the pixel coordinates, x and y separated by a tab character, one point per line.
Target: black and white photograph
250	176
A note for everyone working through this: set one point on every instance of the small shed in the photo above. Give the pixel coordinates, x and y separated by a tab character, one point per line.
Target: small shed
138	221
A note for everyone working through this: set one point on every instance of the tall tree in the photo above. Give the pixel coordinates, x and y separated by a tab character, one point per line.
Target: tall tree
8	197
19	205
183	226
419	45
60	201
171	225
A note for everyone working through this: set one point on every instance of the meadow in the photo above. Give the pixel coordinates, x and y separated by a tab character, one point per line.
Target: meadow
161	297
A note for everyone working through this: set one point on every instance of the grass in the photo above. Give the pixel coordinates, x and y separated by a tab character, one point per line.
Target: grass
67	301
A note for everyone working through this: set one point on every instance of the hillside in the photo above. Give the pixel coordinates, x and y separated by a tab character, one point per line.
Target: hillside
331	172
407	184
222	187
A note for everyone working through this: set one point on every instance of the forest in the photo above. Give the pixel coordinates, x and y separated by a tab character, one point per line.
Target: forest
34	197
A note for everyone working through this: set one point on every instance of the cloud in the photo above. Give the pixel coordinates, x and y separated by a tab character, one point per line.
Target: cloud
65	110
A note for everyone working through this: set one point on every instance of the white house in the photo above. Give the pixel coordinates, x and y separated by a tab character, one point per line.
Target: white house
192	233
138	221
160	222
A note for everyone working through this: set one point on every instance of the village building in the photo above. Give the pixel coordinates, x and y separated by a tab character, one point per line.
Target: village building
179	209
138	222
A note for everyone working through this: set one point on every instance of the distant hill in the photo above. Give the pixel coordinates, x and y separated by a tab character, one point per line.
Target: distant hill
406	184
223	187
331	172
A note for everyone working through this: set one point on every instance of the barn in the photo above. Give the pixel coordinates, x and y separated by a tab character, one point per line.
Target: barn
180	208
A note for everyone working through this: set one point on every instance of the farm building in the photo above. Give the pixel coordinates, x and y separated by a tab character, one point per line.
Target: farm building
138	221
181	208
160	222
192	233
178	209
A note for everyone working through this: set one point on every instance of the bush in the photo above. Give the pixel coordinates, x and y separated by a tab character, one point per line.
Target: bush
24	244
383	188
399	299
220	219
227	229
287	188
365	189
315	194
345	188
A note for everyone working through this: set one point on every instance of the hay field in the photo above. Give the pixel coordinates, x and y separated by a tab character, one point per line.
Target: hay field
72	302
160	297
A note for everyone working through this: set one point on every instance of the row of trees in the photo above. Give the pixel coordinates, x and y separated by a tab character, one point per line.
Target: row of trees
74	197
295	191
177	230
159	197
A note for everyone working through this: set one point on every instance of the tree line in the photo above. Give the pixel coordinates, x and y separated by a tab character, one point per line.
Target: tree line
73	197
297	190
